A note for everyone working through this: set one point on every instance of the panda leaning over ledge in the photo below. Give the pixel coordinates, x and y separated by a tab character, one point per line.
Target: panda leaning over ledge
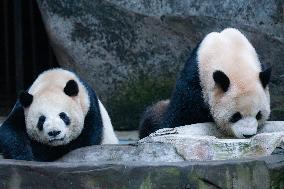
57	114
224	82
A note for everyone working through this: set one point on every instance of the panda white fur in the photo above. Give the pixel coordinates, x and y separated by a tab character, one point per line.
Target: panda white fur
57	114
222	81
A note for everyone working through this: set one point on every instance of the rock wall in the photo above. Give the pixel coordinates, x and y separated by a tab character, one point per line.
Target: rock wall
132	51
249	174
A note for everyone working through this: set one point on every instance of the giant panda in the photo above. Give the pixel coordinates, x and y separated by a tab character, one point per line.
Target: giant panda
224	82
57	114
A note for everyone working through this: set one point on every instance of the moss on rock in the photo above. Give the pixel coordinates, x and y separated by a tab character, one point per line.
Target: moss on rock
128	105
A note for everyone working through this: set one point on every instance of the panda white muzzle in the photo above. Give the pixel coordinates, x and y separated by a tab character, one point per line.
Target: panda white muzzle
245	127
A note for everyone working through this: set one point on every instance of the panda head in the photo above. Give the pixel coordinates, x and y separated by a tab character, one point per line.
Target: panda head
233	83
238	111
53	115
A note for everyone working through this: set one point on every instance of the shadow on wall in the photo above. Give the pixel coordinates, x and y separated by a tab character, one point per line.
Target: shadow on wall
24	49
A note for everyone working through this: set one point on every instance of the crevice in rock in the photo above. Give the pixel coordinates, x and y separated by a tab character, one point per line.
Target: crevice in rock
209	183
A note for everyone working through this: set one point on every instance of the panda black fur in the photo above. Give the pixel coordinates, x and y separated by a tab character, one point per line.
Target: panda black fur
151	120
57	114
222	82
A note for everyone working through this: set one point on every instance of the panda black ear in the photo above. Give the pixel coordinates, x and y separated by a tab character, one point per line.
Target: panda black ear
221	80
264	77
25	99
71	88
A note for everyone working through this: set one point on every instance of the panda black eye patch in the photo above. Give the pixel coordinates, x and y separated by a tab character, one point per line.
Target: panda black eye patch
258	115
65	118
40	122
236	117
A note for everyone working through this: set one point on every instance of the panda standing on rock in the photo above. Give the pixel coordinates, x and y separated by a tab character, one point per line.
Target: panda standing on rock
57	114
224	82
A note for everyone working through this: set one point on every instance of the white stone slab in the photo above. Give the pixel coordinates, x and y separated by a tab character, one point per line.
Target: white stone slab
203	141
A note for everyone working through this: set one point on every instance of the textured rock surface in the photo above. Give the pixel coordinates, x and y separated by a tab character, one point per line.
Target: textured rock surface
132	51
260	174
146	166
200	142
128	153
193	142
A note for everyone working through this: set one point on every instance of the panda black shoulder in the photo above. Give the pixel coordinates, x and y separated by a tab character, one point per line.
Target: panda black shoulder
93	117
104	133
186	104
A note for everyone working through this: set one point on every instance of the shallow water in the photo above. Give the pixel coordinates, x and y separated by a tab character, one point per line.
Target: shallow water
127	137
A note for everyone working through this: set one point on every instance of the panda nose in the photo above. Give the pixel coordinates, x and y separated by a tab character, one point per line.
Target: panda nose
248	136
54	133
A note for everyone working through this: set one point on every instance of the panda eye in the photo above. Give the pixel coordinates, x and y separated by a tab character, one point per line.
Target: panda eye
258	115
40	122
236	117
65	118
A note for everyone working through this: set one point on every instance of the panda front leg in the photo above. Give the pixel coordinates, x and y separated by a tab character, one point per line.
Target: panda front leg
14	141
15	146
